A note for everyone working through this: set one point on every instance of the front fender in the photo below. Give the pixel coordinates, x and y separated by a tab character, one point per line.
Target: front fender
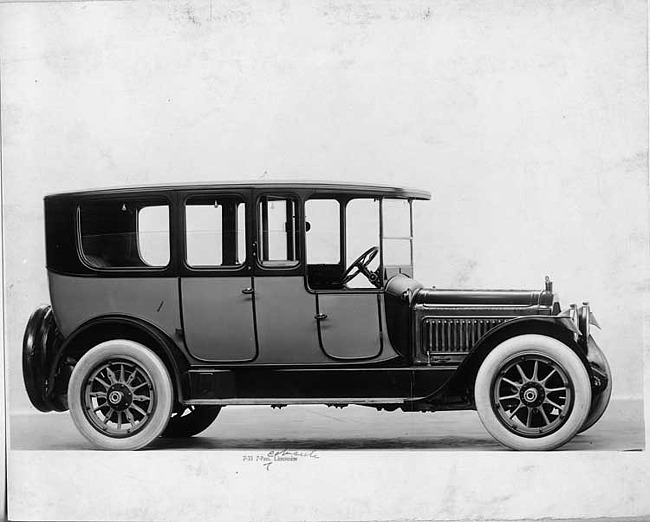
561	328
600	368
601	388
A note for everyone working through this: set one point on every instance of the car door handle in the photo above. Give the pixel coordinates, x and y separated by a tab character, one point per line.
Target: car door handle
247	291
320	317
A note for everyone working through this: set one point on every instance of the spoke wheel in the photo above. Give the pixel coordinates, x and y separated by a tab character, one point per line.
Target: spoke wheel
532	392
120	395
532	395
190	420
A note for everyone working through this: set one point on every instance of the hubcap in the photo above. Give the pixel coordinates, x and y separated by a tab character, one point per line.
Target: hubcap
532	395
118	398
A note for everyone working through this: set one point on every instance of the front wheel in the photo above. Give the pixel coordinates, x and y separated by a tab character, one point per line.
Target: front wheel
532	393
190	421
120	395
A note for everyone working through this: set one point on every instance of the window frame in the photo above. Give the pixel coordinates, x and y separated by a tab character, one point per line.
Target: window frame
344	199
240	200
187	270
145	199
297	268
410	238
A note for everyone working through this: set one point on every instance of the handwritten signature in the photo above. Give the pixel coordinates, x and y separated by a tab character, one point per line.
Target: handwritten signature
287	456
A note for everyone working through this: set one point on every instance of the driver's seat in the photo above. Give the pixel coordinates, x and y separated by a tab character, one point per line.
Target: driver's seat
325	277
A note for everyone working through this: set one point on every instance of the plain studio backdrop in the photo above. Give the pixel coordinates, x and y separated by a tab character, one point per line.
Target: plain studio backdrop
526	120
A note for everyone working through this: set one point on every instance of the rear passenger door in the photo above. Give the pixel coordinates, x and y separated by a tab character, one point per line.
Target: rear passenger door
216	283
284	309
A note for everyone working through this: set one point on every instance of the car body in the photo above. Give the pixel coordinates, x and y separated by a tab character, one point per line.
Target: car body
170	302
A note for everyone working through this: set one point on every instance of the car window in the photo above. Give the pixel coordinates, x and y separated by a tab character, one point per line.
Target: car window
278	231
323	231
396	232
215	231
362	233
153	235
124	234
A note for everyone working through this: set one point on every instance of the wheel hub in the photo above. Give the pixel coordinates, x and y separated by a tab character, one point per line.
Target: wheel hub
532	394
119	397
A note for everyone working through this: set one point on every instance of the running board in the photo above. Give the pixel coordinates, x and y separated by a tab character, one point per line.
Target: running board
288	401
313	385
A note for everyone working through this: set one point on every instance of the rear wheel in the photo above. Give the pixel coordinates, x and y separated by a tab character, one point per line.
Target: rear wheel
120	395
532	393
190	421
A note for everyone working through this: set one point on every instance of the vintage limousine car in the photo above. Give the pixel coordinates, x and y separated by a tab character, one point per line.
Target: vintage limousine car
170	302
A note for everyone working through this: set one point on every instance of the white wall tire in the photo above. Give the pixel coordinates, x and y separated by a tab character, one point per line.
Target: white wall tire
120	395
532	393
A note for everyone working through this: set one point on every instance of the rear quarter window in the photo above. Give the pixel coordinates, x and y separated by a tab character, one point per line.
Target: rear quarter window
124	234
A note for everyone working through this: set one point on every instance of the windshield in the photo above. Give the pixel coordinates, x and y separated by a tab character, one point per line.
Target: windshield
357	243
397	237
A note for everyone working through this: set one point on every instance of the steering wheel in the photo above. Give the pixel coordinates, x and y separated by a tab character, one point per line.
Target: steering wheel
361	266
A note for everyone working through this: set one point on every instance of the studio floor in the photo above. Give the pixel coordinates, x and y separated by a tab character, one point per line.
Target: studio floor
328	428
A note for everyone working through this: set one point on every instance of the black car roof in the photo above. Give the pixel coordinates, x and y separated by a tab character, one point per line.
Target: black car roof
357	189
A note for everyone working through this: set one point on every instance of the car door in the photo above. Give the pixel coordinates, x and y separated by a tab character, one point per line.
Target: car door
350	325
304	315
284	309
216	283
349	314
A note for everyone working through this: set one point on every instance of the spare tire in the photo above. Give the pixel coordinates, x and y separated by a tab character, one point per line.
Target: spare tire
35	342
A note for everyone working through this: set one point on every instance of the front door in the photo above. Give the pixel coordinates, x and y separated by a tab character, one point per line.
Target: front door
348	303
349	325
216	285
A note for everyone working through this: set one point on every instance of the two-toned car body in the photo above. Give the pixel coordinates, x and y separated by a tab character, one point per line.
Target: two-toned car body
170	302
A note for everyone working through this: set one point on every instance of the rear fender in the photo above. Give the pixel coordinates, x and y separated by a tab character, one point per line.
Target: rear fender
109	327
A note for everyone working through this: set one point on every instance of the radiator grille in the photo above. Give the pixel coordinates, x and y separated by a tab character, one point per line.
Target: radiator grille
450	335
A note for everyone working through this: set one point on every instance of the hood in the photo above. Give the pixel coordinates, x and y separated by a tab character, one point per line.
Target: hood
433	296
